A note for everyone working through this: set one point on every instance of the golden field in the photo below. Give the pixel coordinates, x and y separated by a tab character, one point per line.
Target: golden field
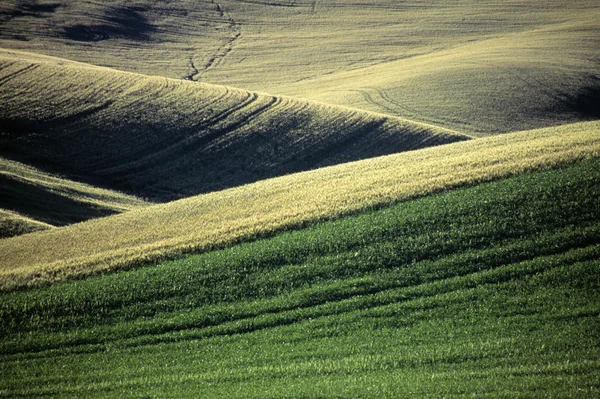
164	139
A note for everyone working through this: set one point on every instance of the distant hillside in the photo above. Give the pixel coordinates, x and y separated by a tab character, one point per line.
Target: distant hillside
485	66
226	217
165	139
542	77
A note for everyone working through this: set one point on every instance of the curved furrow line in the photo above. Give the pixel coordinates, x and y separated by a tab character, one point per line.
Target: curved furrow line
196	135
250	122
370	100
385	97
20	71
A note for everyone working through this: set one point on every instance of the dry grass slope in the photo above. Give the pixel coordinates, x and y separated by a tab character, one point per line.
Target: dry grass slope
41	199
13	224
164	139
216	219
542	77
480	66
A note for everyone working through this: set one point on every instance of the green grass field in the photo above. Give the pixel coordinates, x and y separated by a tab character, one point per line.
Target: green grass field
300	199
489	291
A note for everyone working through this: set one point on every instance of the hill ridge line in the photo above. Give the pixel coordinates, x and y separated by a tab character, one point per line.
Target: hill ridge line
59	60
154	130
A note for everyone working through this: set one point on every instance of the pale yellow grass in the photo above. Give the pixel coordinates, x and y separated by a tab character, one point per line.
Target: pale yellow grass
536	78
437	61
216	219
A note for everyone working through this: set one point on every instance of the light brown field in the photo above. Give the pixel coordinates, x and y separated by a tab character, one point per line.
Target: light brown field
221	218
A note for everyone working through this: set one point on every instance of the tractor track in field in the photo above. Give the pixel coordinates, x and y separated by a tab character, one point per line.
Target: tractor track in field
222	51
196	142
18	72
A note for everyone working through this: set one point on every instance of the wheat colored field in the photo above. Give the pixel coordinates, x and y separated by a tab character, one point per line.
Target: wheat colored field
225	217
41	199
164	139
483	67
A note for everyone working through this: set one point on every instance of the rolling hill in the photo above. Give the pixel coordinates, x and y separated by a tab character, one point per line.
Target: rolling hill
543	77
488	291
164	139
300	198
225	217
33	200
478	66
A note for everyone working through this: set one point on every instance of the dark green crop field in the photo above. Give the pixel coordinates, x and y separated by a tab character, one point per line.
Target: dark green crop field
485	291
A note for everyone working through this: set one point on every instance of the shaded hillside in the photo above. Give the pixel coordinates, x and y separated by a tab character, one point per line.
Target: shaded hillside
165	139
223	218
52	200
484	66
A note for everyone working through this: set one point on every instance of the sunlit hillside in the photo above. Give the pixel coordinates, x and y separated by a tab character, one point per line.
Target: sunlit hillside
164	139
478	66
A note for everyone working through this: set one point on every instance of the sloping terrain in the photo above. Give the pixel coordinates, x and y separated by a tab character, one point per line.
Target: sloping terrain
383	224
221	218
164	139
542	77
489	291
13	224
478	66
51	200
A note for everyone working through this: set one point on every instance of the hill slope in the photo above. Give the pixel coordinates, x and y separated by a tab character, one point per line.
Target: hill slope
547	76
52	200
481	66
13	224
221	218
489	291
165	139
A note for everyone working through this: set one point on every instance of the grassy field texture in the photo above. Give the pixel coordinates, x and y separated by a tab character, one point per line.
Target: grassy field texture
14	224
56	201
546	76
165	139
482	66
222	218
486	291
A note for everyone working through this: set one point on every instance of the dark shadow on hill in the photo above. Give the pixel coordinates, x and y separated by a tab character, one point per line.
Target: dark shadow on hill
40	204
586	102
29	8
198	159
118	23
